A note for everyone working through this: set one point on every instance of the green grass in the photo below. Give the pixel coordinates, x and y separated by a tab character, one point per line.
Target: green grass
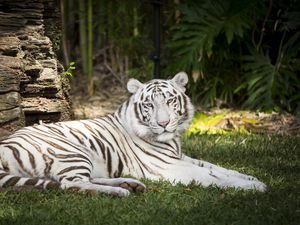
274	159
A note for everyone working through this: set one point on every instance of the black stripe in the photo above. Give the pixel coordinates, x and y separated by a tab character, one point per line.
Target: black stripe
136	113
186	113
112	135
118	127
177	146
163	148
72	178
137	160
108	162
30	155
163	86
3	175
57	139
31	181
16	154
73	161
71	168
150	86
55	130
68	155
48	161
74	135
103	137
150	154
85	174
99	142
129	146
11	182
120	167
92	145
78	131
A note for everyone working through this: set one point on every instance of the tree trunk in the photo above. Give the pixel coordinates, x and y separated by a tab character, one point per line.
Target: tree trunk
32	87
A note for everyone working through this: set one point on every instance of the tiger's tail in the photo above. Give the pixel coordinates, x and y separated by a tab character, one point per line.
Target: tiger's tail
16	182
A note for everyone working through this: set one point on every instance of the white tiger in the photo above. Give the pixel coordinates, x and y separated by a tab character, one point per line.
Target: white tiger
141	139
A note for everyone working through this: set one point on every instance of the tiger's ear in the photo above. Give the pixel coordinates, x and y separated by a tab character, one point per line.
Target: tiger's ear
181	79
133	85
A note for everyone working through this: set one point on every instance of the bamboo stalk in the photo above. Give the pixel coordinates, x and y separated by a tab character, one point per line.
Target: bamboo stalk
135	22
82	33
101	24
90	47
64	21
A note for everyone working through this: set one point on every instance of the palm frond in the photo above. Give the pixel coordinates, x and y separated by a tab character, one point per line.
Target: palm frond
200	24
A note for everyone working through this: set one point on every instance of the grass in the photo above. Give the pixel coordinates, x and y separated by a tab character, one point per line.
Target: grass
274	159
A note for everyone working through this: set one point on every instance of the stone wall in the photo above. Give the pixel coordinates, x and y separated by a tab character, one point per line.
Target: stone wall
32	87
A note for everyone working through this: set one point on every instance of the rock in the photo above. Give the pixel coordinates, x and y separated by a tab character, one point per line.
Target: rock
31	87
9	100
9	80
10	115
4	133
11	62
46	110
33	69
9	46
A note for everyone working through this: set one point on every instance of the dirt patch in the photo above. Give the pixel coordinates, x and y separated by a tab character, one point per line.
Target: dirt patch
104	101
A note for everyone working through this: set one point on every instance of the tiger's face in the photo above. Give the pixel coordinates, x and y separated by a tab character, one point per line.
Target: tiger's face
161	110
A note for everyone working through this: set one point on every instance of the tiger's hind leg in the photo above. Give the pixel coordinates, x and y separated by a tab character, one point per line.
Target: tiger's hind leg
127	183
79	178
16	182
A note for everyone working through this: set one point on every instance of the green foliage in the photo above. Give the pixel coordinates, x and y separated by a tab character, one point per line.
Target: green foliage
246	52
107	32
69	72
202	22
269	86
143	73
277	164
237	52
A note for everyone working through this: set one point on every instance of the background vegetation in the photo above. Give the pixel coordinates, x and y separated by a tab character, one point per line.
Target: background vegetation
237	52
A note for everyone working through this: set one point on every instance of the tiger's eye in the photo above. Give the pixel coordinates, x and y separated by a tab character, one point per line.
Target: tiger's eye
171	100
148	104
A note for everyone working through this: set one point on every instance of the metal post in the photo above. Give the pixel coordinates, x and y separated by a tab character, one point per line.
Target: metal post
155	56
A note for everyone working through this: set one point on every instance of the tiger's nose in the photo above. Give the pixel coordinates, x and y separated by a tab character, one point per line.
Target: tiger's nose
163	123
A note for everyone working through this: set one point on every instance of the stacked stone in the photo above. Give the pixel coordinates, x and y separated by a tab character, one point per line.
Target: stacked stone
32	87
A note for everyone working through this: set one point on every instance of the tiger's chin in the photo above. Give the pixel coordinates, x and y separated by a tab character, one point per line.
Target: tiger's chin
160	137
165	136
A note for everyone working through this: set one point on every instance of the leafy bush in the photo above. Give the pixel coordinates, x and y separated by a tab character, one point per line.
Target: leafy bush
242	52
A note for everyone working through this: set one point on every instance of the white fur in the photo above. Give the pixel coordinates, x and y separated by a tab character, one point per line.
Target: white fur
180	80
89	154
186	169
133	85
161	112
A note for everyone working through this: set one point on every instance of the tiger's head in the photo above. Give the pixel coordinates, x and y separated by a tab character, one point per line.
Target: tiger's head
160	109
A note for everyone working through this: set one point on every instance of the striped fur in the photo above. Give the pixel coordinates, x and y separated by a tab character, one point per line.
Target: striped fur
141	139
